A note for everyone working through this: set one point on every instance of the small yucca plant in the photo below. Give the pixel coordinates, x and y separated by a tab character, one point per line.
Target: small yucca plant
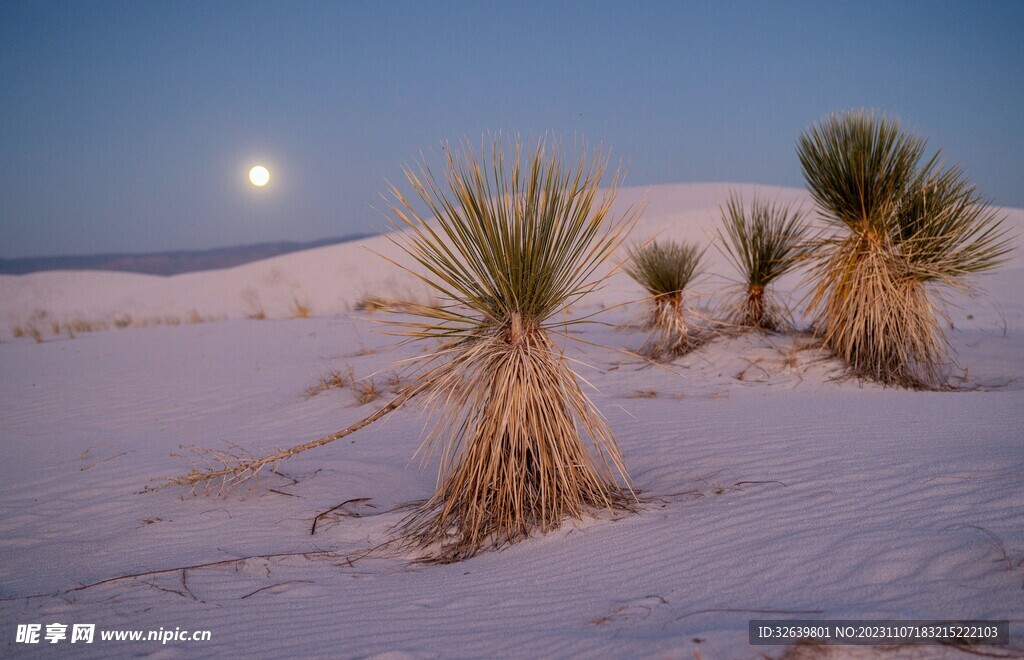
508	241
763	245
903	228
664	269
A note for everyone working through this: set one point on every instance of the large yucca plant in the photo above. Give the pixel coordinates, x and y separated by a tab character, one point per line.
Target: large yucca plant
763	244
904	226
508	241
664	269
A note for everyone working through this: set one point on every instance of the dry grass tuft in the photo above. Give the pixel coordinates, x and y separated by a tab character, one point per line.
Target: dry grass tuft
407	303
396	382
902	230
763	244
366	391
335	379
301	309
253	305
372	304
664	270
517	238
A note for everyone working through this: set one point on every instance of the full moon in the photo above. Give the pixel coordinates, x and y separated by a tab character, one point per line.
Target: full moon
259	176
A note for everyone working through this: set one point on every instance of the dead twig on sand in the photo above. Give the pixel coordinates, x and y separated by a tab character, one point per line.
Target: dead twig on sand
272	586
745	611
164	571
225	470
312	530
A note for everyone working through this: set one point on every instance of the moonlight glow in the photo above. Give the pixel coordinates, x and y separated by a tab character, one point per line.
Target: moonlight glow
259	176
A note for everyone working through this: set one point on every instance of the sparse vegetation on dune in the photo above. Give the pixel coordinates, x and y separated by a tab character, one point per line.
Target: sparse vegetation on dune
301	308
398	299
253	305
78	325
335	379
518	237
372	304
903	229
665	269
763	244
365	389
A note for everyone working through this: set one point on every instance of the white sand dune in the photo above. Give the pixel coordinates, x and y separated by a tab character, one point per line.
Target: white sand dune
331	279
773	487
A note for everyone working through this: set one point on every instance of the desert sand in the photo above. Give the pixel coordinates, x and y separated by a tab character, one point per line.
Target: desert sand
772	485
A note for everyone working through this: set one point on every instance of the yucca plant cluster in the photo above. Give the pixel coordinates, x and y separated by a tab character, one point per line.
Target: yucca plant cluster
903	226
763	244
508	241
664	269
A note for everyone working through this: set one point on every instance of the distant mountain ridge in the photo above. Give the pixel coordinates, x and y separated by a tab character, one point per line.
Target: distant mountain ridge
168	263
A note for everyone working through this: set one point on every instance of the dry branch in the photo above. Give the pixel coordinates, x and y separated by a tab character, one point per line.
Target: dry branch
224	470
165	571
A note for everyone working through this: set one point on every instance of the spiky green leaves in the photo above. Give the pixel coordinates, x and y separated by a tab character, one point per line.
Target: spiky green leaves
945	231
858	167
664	269
507	240
902	223
507	232
763	244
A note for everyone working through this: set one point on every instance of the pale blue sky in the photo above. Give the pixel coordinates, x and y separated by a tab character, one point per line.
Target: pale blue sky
129	126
